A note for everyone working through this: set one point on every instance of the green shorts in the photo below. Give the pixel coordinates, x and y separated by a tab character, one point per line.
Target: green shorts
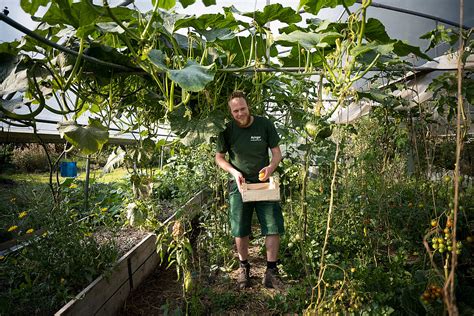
269	215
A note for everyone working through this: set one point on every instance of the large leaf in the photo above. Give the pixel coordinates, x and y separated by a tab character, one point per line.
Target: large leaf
88	139
309	40
183	41
9	48
86	12
207	21
61	12
169	21
187	3
221	34
31	6
209	2
83	13
274	12
166	4
382	49
402	48
193	77
157	57
375	31
196	130
313	6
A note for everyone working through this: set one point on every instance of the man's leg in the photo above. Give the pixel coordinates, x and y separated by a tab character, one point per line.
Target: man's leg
270	279
272	244
241	220
242	244
271	221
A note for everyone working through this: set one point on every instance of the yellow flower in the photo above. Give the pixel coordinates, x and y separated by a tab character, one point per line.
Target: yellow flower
73	186
87	234
12	228
30	231
22	214
104	209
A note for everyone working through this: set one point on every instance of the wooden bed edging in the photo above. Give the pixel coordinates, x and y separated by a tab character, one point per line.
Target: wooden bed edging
106	294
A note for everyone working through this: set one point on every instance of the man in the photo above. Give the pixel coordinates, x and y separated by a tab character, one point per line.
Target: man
247	139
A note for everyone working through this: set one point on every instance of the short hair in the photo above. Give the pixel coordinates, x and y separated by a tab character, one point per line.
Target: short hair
237	94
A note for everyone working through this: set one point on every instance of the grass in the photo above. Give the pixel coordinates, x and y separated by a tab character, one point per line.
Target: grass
116	175
30	192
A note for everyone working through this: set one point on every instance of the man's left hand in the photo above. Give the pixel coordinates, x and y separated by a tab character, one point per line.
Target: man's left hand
265	173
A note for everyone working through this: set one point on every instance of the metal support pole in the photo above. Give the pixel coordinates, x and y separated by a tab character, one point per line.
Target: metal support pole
86	186
415	13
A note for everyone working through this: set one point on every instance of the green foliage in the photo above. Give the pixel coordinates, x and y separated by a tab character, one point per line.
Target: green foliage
31	6
440	35
26	206
193	77
377	195
105	205
174	249
274	12
53	268
314	6
377	222
89	139
6	153
170	72
311	40
294	301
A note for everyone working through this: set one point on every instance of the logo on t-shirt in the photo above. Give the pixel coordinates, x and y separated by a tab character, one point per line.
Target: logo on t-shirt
255	138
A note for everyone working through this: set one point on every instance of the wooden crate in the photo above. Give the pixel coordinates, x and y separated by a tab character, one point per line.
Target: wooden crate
266	191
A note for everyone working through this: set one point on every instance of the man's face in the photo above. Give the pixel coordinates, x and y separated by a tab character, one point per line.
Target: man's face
240	111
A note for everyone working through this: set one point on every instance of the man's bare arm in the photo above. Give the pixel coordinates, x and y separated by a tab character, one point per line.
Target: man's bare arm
226	166
276	158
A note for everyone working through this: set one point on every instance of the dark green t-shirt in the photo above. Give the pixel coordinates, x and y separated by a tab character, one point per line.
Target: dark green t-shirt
248	147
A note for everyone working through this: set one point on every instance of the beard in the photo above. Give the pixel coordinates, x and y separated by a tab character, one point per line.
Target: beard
244	121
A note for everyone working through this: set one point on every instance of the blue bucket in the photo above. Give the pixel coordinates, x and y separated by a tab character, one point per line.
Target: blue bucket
68	169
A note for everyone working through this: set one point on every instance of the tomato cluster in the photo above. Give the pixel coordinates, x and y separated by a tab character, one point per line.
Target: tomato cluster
444	243
431	294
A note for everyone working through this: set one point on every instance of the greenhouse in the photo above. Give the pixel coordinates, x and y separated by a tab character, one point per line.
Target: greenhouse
139	137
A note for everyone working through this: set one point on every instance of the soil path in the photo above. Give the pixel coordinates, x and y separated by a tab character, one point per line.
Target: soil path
161	293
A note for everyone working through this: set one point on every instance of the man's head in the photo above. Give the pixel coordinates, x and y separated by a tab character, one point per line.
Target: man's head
239	108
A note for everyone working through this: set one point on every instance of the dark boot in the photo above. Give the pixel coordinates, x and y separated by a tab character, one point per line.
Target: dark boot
271	279
243	279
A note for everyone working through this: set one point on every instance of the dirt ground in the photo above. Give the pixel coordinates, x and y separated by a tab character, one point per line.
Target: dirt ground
161	293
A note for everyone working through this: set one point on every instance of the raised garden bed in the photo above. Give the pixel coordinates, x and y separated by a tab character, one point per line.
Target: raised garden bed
107	294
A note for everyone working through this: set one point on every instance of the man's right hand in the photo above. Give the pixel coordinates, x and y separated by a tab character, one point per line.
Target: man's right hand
239	179
225	165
